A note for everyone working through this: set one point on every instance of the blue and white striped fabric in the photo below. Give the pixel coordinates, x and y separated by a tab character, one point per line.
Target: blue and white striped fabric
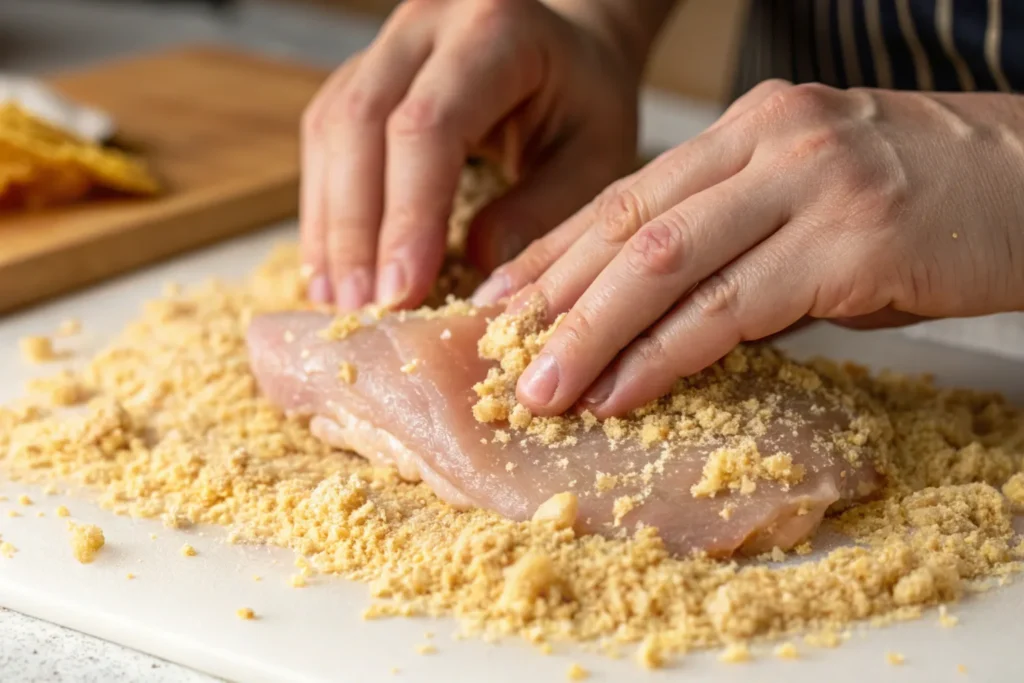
951	45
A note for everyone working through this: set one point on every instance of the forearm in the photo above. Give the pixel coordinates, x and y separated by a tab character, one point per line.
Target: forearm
631	25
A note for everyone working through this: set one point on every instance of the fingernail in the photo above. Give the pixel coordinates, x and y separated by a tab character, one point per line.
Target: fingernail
391	284
354	290
493	290
539	382
600	391
319	290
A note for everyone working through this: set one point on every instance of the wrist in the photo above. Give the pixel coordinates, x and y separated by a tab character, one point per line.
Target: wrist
627	27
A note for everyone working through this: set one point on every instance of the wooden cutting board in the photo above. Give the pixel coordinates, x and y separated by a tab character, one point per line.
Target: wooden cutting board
221	129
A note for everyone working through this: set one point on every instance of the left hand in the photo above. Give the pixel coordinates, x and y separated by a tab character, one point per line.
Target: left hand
867	207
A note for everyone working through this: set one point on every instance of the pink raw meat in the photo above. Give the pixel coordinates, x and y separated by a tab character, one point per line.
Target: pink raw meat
422	423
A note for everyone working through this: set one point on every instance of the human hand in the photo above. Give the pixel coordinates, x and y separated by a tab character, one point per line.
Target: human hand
385	139
866	207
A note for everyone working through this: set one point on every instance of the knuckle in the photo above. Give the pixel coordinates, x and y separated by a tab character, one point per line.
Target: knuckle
806	102
718	296
656	249
651	351
361	104
576	328
417	116
621	214
490	17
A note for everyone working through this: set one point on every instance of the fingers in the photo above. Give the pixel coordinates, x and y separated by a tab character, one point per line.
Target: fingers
761	293
463	91
659	264
356	160
526	214
312	200
694	166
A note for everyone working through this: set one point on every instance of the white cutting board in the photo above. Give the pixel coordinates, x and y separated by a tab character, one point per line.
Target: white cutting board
183	609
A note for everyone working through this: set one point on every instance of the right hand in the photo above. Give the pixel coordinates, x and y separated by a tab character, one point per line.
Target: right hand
386	138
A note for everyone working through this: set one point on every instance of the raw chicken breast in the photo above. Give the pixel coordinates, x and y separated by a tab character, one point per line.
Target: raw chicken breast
410	405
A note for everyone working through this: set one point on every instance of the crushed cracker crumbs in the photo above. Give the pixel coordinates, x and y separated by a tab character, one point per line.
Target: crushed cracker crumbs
175	428
735	653
347	372
86	541
426	649
895	658
577	673
560	510
786	650
69	327
24	500
37	349
129	576
7	550
13	513
297	581
245	613
947	620
188	551
411	366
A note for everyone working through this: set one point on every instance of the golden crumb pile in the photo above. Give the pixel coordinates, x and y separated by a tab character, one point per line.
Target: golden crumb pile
86	541
175	428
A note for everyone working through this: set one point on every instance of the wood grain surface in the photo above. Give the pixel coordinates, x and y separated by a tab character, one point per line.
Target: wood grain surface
220	128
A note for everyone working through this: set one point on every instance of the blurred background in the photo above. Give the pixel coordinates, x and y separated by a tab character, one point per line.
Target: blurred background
694	55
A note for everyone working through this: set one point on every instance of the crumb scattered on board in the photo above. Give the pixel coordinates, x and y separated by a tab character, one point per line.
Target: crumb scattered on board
37	349
245	613
188	551
577	673
86	541
200	445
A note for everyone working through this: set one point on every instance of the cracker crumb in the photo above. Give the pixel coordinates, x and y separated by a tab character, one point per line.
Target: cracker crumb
69	327
1013	489
86	541
24	500
297	581
37	350
245	613
7	550
129	576
347	372
651	653
188	551
622	506
786	650
426	649
947	620
894	658
446	334
411	367
735	653
577	672
341	327
13	513
961	668
560	510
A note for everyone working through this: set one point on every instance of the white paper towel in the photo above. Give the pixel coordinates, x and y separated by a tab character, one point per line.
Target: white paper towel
38	99
1000	335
